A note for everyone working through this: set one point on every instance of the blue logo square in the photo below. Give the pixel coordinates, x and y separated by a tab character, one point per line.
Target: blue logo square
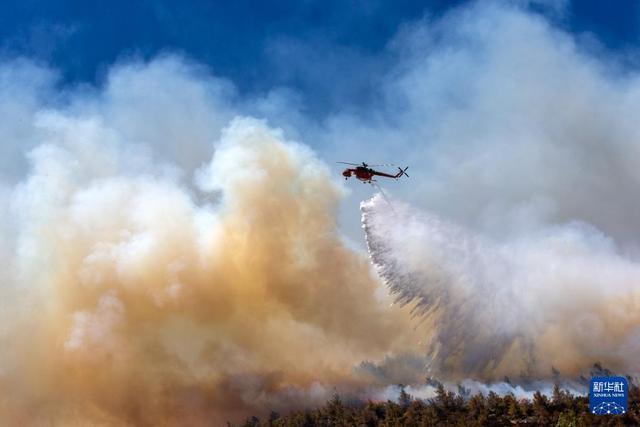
608	395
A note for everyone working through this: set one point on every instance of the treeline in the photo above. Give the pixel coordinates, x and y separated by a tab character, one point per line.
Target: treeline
447	408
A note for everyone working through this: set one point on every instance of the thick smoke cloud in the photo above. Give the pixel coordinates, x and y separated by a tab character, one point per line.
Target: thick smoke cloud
552	302
520	241
132	295
507	123
170	259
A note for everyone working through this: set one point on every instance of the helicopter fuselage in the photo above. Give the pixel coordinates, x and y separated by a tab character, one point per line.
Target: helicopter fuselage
364	174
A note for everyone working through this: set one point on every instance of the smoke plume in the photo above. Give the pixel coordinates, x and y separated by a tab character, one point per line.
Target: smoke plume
169	258
531	307
518	238
133	297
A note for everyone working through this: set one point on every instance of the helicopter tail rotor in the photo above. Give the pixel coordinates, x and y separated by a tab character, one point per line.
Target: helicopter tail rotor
402	172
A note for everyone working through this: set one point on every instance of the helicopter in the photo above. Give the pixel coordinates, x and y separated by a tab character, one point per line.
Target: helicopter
364	173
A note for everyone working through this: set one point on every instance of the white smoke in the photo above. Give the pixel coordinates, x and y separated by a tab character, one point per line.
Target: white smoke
520	238
468	388
508	123
560	299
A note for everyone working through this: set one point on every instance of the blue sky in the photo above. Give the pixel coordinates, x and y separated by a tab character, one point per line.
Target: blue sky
302	45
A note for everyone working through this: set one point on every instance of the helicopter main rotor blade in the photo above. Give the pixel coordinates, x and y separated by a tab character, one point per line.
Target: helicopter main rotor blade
367	164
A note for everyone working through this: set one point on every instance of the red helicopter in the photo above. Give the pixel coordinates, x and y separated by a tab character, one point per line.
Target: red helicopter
365	174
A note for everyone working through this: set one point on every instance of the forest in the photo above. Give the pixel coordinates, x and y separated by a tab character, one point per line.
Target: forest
561	409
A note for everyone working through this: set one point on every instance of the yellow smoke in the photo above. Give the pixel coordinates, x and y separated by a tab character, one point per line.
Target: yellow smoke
139	300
